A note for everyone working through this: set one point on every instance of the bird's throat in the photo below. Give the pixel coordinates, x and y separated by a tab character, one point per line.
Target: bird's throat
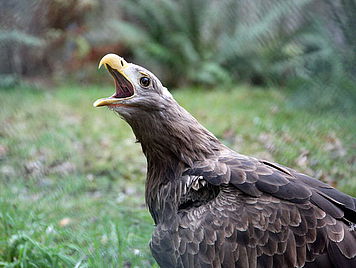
172	141
173	135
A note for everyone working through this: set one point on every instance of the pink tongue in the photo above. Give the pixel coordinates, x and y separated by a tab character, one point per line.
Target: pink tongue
121	90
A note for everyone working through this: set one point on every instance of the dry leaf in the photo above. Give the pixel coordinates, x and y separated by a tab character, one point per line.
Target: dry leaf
267	140
302	160
334	146
3	151
64	222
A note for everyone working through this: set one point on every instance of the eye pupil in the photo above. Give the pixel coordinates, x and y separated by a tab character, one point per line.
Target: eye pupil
145	81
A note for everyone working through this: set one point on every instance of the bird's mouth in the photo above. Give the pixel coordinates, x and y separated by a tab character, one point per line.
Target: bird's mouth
123	87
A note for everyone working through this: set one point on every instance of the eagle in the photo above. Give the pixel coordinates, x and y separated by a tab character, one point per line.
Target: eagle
214	207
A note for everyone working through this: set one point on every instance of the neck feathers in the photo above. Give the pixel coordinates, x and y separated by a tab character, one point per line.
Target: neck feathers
173	134
172	140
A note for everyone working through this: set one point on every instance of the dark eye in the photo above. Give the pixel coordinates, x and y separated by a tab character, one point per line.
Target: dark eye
145	81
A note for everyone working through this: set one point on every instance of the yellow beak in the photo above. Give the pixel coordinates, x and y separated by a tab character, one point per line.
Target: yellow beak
115	62
105	102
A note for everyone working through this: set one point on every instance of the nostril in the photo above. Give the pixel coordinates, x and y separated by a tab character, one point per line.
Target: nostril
122	64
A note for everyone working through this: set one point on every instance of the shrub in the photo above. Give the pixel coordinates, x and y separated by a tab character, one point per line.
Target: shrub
208	42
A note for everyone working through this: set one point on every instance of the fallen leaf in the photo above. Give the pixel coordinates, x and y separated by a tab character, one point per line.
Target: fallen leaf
34	168
64	222
334	146
267	140
63	168
3	151
302	160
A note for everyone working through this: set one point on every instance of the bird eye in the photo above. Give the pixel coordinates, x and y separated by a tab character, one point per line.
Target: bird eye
145	81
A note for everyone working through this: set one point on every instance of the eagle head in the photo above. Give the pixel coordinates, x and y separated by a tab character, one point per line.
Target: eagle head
136	89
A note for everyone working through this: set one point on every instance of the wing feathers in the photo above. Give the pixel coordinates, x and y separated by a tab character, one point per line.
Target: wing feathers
255	177
265	215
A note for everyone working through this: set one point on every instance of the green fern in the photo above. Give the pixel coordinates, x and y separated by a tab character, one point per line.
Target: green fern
205	42
326	66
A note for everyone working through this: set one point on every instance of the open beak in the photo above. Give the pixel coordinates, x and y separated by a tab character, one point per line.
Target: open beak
124	89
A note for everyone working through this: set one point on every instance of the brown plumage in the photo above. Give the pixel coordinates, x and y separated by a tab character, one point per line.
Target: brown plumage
214	207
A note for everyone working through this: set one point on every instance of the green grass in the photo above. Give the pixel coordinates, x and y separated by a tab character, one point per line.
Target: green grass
72	178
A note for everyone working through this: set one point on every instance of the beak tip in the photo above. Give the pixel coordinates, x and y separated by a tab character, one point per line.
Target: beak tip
100	64
114	61
97	103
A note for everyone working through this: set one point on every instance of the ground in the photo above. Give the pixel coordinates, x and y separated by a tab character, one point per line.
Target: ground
72	178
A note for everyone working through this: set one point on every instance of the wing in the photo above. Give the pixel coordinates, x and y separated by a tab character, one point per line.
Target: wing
255	177
237	230
318	219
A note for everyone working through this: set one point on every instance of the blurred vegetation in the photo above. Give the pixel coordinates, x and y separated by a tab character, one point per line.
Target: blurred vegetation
306	47
72	179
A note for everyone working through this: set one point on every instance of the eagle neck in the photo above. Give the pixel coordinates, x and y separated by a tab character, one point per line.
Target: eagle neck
172	141
171	134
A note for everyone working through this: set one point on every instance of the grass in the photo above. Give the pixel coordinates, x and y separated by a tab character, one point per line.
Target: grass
72	178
